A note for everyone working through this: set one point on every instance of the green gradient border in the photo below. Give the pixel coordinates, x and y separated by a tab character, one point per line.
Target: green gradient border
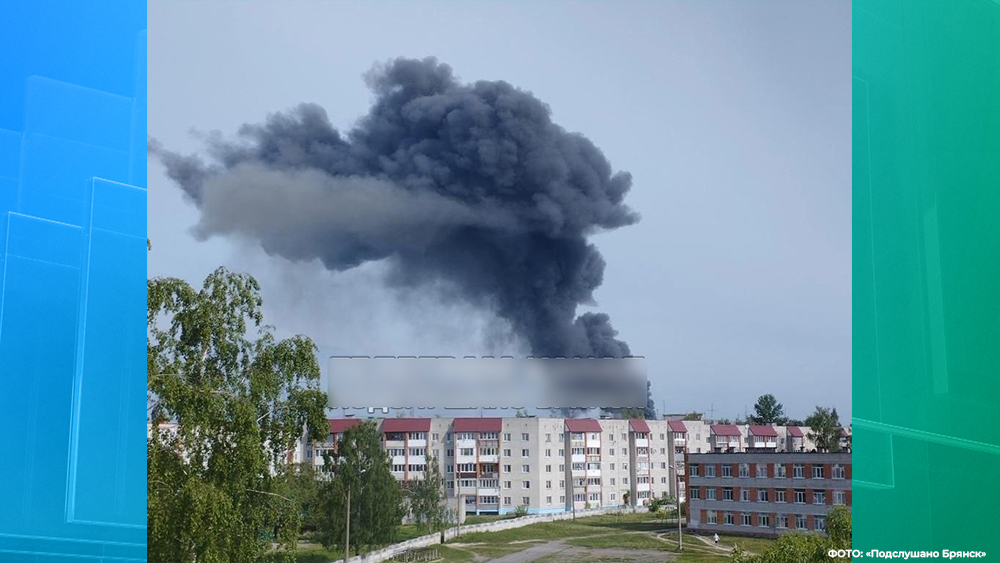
926	274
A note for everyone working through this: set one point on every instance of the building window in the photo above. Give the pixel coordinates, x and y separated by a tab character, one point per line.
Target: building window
709	471
761	471
612	480
562	499
780	471
463	451
548	469
745	495
817	472
839	498
506	468
798	471
695	493
661	436
693	470
526	500
562	484
525	453
548	438
727	493
727	470
710	493
624	437
745	519
506	501
562	453
548	453
548	500
663	480
562	468
614	497
761	495
779	495
418	435
488	435
744	470
467	467
819	497
548	484
663	465
612	467
525	469
506	436
764	520
525	436
800	521
800	496
447	437
782	521
451	453
728	519
449	469
820	522
838	471
712	517
526	484
506	452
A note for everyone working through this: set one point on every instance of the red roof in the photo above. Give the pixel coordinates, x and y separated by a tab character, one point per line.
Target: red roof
676	426
725	430
638	425
761	431
338	425
478	424
406	425
795	431
582	425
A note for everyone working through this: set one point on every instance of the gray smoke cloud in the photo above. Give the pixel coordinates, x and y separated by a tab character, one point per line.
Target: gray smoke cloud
470	184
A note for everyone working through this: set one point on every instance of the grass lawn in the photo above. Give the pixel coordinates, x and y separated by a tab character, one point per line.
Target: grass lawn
483	518
753	545
622	541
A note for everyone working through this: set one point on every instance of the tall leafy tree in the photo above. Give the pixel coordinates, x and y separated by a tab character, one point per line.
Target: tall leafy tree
361	466
227	402
427	498
768	410
824	424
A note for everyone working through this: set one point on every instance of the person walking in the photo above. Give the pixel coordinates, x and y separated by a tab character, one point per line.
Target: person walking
716	539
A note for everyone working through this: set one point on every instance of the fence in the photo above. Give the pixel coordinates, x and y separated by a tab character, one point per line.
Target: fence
397	549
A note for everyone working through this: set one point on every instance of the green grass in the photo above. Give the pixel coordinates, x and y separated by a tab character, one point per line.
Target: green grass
484	518
753	545
620	541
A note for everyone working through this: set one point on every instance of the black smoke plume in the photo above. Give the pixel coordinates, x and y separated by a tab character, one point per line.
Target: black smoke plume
470	184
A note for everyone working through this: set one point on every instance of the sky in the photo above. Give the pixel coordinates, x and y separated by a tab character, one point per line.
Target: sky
732	117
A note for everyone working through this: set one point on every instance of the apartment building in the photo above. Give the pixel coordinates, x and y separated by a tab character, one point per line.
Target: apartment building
764	492
494	465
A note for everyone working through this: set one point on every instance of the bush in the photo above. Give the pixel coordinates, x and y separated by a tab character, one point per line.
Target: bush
521	511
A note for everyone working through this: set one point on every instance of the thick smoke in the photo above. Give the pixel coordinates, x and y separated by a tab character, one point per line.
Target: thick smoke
470	184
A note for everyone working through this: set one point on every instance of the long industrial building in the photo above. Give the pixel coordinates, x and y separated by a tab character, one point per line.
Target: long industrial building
756	493
495	465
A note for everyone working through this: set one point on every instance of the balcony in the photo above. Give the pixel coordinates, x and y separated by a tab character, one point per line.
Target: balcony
642	442
680	441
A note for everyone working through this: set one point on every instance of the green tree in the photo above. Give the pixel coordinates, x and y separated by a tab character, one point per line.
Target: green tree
768	410
693	416
360	466
238	400
824	425
427	498
301	483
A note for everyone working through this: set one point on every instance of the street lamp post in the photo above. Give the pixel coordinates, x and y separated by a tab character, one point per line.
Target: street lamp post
677	490
347	530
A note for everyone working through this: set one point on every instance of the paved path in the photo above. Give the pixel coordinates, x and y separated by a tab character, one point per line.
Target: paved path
710	543
532	553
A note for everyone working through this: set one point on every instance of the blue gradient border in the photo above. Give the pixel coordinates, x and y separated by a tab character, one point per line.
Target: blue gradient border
72	271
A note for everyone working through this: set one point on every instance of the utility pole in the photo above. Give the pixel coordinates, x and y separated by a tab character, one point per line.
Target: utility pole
680	535
347	532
